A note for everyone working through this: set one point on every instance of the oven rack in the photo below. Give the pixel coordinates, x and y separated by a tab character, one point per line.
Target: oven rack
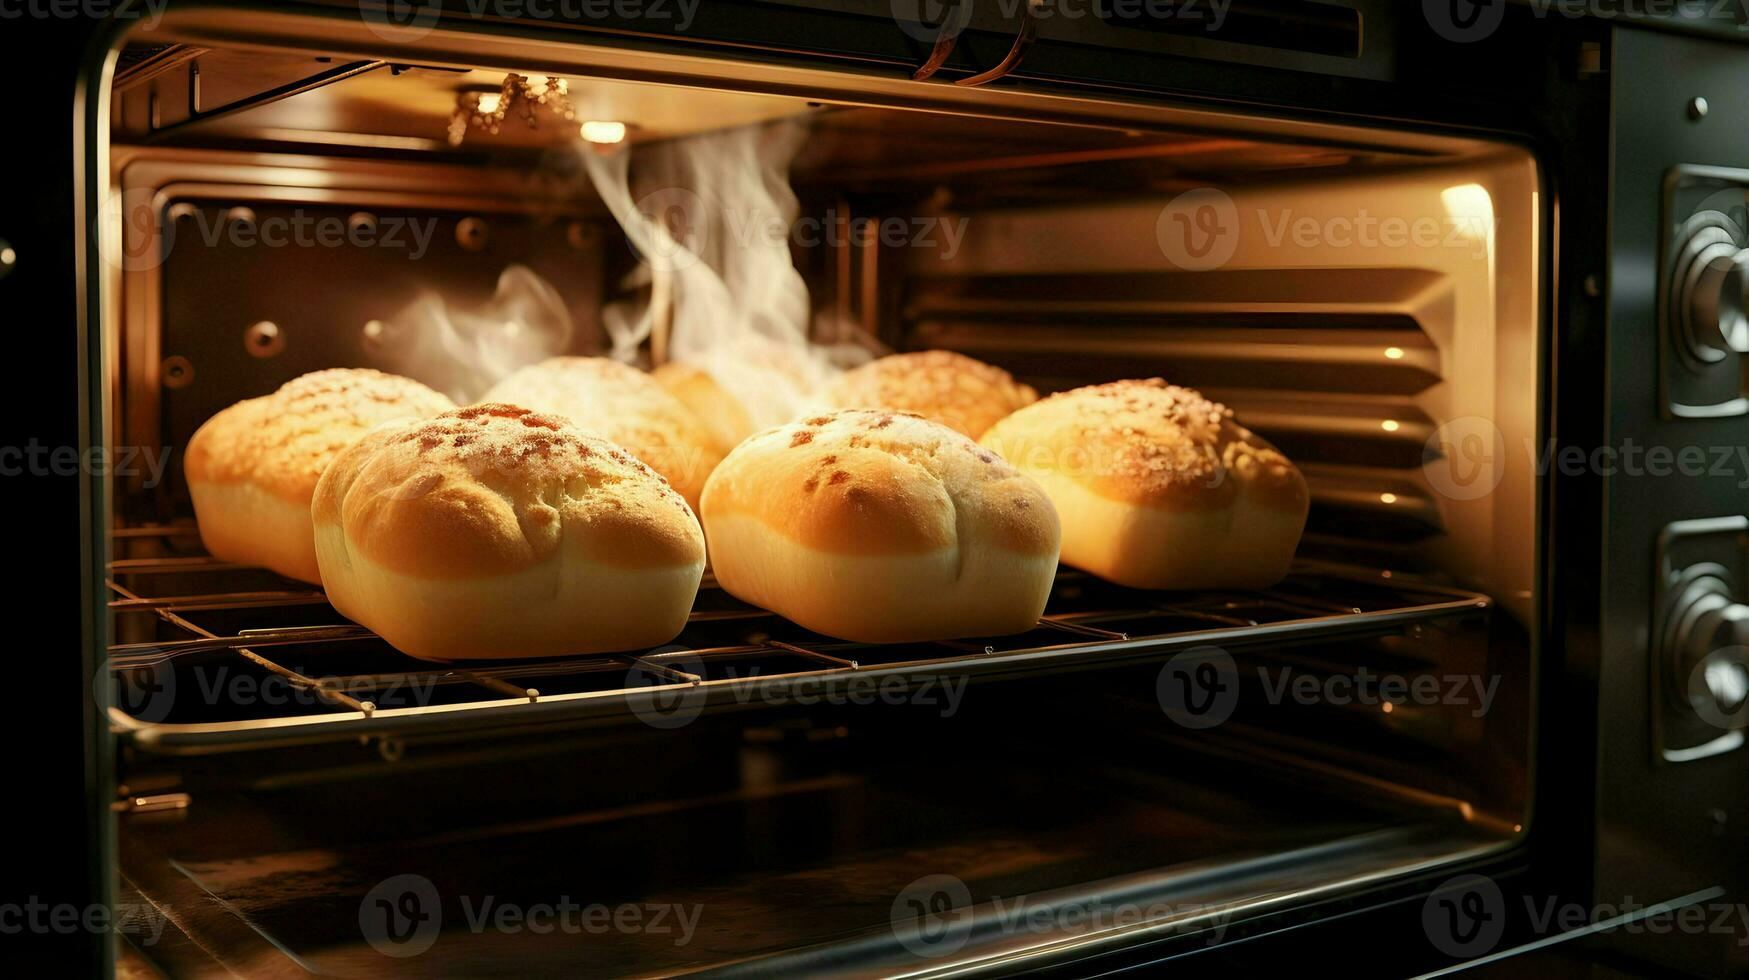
208	615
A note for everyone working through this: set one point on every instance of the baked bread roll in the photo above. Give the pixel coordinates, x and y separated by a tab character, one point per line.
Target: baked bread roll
881	527
492	531
1158	487
721	414
961	393
252	468
622	405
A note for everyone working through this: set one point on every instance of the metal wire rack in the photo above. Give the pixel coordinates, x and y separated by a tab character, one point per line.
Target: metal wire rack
212	655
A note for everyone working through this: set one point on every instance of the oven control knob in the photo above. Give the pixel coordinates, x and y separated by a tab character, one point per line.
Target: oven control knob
1711	301
1707	646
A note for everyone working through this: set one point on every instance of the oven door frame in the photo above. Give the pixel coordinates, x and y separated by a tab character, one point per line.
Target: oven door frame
1556	852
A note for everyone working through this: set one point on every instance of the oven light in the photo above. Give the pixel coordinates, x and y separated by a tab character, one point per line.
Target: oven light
1389	425
598	131
1470	208
1387	498
1394	353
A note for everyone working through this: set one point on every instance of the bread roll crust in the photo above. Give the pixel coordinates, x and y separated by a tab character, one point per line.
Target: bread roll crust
253	467
881	527
623	405
1157	486
957	391
282	442
495	531
864	481
720	412
494	488
1149	443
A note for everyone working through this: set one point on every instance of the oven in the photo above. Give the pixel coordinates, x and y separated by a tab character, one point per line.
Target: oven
1479	271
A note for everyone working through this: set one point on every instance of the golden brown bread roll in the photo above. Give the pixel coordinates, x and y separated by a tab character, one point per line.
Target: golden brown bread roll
959	392
721	414
622	405
493	531
252	467
881	527
1158	487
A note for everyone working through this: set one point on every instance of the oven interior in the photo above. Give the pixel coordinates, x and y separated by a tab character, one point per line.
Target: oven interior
1376	320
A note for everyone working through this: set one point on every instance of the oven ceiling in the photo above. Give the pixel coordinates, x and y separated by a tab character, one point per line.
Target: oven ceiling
187	95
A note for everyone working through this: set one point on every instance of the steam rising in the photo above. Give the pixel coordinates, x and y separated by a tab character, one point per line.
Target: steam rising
710	215
463	352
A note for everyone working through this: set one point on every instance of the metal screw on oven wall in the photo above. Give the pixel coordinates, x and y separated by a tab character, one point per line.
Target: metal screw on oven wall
1697	108
8	258
176	371
470	233
361	223
263	339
